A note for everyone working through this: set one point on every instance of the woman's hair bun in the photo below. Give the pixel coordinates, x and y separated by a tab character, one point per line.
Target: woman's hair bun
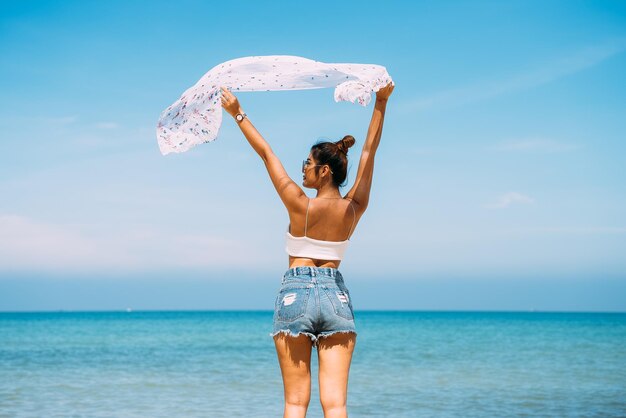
345	143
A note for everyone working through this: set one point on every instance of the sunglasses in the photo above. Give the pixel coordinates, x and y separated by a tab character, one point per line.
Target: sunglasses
307	164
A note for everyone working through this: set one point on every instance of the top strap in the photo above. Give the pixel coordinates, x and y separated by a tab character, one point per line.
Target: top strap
353	220
306	219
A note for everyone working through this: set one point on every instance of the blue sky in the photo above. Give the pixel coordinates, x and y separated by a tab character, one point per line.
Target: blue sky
499	182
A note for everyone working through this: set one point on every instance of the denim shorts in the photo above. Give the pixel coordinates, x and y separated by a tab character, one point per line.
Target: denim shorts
313	301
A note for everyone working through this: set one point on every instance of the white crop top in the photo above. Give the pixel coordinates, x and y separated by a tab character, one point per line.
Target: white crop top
315	248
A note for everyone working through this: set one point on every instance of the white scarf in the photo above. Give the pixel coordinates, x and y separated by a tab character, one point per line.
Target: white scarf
196	117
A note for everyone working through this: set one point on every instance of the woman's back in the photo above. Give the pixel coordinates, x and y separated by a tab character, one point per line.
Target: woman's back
325	219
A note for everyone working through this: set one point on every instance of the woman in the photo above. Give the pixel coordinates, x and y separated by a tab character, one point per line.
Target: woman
313	306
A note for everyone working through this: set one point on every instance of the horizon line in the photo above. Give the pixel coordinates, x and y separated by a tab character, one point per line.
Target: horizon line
356	310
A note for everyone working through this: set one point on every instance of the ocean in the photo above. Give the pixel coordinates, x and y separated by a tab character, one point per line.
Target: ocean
223	364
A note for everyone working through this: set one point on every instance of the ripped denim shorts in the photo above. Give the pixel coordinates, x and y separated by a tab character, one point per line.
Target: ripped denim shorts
313	301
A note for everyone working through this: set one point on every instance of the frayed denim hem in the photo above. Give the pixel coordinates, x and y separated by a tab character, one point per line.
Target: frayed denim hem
313	337
328	333
294	334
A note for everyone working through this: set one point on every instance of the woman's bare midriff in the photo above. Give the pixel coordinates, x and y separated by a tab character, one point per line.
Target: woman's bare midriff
311	262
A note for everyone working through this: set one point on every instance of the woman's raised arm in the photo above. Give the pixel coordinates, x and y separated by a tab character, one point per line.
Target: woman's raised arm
290	193
360	191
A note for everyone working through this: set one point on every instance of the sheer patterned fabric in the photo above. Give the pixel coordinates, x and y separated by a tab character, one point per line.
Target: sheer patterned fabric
196	117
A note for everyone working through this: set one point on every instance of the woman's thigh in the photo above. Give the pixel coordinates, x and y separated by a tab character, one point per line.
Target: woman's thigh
335	355
294	357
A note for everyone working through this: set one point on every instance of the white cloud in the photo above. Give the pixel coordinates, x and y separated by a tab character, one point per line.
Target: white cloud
31	244
27	244
580	60
509	198
534	144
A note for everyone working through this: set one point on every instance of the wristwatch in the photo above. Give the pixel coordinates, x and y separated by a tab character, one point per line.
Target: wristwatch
240	117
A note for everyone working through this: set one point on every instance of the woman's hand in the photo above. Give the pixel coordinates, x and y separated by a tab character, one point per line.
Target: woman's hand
230	102
385	92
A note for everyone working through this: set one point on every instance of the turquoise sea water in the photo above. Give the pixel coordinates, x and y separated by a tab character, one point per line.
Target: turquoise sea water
223	364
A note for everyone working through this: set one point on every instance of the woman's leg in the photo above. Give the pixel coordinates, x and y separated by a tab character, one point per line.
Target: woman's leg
335	354
294	357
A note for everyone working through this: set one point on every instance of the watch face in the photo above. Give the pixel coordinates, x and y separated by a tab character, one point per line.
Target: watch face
240	117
